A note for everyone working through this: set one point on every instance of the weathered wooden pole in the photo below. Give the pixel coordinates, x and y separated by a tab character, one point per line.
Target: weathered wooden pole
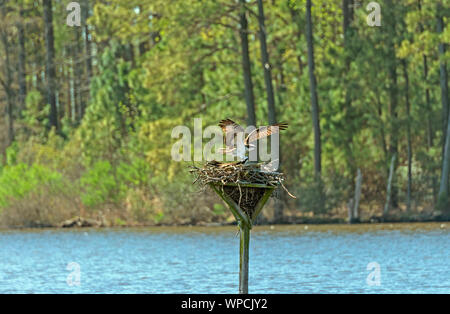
244	250
245	224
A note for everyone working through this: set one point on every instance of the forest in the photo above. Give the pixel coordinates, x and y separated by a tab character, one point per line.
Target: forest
91	90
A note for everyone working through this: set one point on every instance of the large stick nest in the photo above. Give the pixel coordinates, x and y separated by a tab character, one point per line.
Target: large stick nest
239	175
236	173
246	197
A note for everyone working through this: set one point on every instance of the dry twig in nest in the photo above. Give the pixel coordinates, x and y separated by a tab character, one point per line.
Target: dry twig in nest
234	179
236	173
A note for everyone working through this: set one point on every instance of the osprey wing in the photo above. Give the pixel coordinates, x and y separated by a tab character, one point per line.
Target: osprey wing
265	131
230	128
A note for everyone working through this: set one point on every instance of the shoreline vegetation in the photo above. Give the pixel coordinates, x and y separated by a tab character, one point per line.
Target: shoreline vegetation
359	228
78	221
81	223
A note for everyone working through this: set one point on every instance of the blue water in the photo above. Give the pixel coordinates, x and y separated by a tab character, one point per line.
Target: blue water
292	259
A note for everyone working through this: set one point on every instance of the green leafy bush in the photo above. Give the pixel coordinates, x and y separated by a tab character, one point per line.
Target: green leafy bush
100	185
17	181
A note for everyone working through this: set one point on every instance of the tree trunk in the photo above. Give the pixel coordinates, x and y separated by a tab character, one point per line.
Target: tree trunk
382	133
358	187
8	91
353	204
350	206
393	93
387	205
266	65
88	53
347	8
408	135
50	64
296	19
279	205
7	84
280	88
21	68
313	89
428	104
68	83
443	73
443	201
246	67
78	71
427	93
280	82
87	43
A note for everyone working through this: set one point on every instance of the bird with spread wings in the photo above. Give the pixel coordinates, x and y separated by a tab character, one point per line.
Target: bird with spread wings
234	137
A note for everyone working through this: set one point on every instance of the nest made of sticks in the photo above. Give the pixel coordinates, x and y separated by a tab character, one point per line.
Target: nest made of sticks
239	175
246	197
236	173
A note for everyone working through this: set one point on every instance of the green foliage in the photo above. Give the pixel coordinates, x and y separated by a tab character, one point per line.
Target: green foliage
320	196
119	222
219	209
11	154
17	181
35	114
100	185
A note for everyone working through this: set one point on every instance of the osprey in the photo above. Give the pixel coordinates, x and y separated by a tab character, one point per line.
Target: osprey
237	145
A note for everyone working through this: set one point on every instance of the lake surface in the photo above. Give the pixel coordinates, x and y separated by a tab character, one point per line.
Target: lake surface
402	258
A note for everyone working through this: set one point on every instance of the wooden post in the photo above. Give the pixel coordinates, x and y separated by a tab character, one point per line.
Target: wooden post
244	250
245	224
